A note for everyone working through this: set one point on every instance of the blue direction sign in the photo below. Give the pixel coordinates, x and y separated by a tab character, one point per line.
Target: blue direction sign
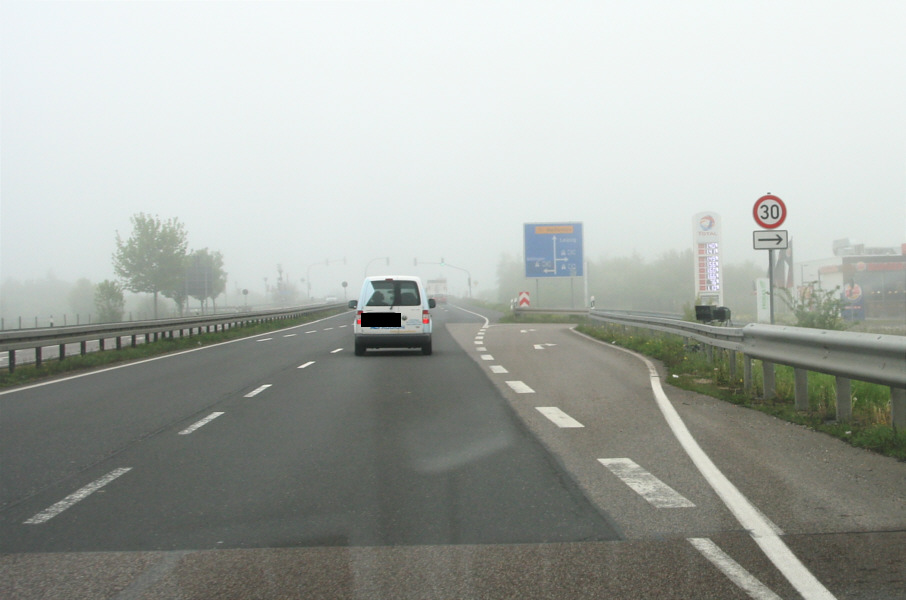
553	250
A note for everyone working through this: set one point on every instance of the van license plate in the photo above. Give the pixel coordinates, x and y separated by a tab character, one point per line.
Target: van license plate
382	319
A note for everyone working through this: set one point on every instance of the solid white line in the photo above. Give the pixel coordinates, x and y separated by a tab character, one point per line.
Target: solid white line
257	390
308	364
560	418
76	496
487	357
745	512
200	424
337	350
498	369
486	322
733	570
645	484
520	388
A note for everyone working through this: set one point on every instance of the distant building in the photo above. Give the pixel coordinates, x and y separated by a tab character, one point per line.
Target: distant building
872	280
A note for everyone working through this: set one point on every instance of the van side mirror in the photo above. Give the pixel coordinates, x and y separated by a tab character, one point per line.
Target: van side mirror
432	303
353	304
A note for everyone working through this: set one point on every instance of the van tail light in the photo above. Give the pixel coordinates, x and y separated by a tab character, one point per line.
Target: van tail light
358	318
426	317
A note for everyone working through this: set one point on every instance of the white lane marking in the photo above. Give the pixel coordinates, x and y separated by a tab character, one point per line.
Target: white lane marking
337	350
498	369
560	418
481	349
486	322
264	340
308	364
733	570
312	331
328	328
200	424
342	326
520	388
645	484
539	347
76	496
487	357
290	335
257	390
477	342
759	527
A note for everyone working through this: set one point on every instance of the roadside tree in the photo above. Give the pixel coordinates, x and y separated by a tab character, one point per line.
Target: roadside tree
152	260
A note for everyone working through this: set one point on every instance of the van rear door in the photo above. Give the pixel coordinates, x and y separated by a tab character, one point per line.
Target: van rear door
392	306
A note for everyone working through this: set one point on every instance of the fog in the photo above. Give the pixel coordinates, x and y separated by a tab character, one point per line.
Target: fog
321	136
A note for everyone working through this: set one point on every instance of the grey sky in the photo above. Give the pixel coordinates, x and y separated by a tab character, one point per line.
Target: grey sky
294	132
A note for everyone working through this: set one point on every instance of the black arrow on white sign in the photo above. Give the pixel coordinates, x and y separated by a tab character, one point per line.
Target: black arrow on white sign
770	240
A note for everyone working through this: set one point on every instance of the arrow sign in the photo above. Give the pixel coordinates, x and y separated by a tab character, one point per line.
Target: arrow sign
774	239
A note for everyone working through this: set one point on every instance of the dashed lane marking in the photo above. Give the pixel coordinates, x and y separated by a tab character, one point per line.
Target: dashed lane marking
558	417
733	570
520	388
77	496
200	424
257	390
648	486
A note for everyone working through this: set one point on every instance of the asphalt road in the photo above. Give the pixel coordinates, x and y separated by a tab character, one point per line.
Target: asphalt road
516	461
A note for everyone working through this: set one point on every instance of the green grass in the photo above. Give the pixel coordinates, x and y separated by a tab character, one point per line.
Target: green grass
690	368
50	368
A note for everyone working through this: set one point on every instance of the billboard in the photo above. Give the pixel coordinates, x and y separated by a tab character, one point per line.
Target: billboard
553	250
706	250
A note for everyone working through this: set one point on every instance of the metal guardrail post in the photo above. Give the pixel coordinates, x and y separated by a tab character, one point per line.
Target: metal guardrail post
747	374
800	382
767	377
898	407
844	399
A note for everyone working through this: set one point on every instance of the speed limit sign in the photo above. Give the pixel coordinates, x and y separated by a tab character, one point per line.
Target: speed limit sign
769	211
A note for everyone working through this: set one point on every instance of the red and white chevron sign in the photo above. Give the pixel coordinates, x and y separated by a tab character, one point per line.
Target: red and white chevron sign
523	300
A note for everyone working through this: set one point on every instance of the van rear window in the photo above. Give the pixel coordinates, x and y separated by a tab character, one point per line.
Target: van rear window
394	293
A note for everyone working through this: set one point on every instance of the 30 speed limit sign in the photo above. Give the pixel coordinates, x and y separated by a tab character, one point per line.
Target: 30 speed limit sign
769	211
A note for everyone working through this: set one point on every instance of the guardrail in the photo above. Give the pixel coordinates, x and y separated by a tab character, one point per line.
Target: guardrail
847	356
38	339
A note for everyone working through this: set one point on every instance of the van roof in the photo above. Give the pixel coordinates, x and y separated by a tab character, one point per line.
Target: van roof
387	277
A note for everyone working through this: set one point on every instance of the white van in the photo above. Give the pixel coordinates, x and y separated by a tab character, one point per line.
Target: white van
392	312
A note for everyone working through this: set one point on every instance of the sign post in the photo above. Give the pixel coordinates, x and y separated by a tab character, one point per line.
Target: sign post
769	212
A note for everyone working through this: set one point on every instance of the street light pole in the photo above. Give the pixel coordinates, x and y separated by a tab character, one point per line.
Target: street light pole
385	258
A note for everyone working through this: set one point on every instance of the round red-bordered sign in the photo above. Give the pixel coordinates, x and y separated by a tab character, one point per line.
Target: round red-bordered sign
769	211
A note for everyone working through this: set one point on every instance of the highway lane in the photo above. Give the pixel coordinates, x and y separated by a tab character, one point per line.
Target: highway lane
370	466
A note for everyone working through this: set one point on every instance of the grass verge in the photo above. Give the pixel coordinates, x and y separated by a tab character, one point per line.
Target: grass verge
50	368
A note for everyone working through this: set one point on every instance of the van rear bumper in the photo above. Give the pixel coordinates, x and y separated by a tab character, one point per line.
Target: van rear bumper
392	340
